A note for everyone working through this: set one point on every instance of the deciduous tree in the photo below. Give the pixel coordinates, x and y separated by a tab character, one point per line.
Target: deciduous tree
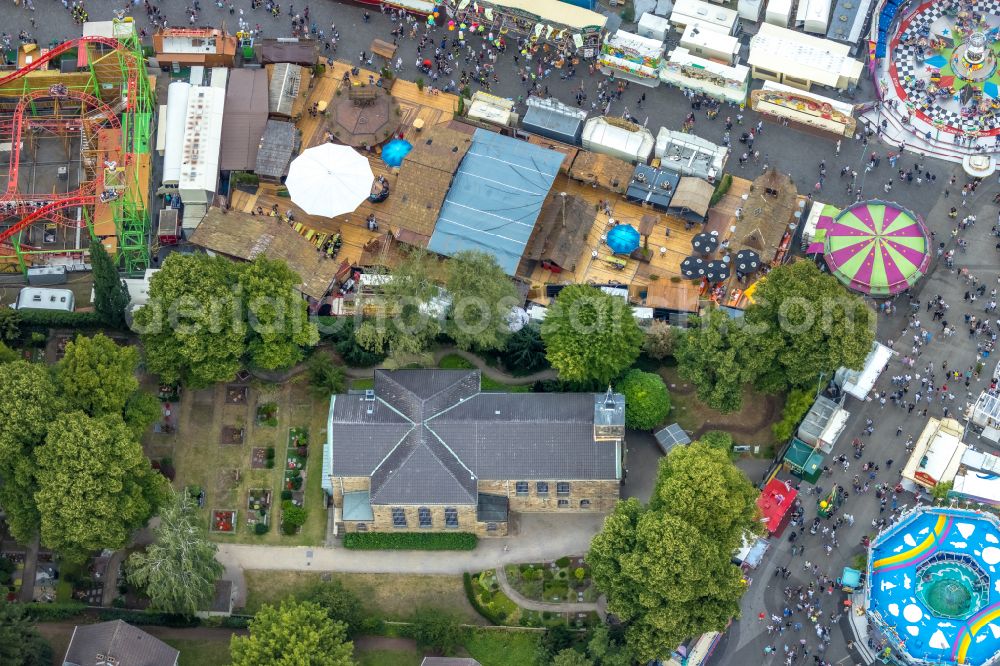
571	657
340	604
111	296
808	323
95	485
659	340
590	335
279	326
10	325
293	634
178	571
97	376
709	355
326	378
435	629
7	355
482	295
647	402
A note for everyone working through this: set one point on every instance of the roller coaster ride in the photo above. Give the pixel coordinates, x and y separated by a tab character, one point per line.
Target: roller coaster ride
106	106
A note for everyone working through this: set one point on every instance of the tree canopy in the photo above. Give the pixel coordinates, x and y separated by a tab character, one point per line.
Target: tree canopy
590	335
482	296
293	634
659	341
710	355
647	401
666	568
96	375
111	296
805	322
178	571
525	351
95	485
206	314
20	642
340	604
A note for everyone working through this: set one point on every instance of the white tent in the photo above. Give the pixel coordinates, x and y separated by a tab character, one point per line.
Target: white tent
612	138
859	383
329	180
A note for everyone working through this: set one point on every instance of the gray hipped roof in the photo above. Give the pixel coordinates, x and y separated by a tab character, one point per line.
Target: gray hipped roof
278	145
117	642
426	436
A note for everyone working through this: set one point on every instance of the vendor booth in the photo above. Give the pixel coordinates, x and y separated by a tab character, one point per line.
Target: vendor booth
690	155
710	45
775	503
618	138
782	102
800	60
823	425
652	26
815	15
803	460
937	455
778	12
750	10
631	57
548	117
723	82
859	383
713	17
569	29
984	416
492	109
751	554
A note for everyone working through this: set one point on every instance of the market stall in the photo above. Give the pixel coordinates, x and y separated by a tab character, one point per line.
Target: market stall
713	17
686	70
937	455
776	502
619	138
710	45
570	29
631	57
804	108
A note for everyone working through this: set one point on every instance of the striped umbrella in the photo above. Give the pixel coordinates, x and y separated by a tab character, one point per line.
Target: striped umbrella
877	248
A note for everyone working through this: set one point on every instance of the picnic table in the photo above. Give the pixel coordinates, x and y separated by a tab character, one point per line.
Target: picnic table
383	48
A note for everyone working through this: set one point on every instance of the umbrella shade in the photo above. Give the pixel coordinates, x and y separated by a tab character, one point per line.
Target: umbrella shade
747	261
705	243
991	89
693	267
623	239
394	151
719	270
329	180
877	248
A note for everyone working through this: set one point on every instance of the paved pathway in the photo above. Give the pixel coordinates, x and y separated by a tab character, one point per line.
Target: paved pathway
542	606
539	539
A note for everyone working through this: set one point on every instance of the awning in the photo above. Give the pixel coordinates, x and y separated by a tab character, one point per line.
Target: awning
860	384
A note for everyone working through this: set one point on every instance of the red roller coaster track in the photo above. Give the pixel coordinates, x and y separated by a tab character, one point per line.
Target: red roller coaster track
85	195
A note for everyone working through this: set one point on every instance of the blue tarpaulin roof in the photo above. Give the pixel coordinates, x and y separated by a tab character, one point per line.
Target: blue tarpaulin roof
495	198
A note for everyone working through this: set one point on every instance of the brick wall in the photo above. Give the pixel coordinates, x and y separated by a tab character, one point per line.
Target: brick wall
584	496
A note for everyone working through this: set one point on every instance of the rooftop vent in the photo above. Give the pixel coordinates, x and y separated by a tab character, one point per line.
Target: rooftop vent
369	395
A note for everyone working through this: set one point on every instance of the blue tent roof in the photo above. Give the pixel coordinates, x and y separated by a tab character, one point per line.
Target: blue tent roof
623	239
495	198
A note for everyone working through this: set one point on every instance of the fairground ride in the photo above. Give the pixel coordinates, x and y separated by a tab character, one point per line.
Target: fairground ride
89	103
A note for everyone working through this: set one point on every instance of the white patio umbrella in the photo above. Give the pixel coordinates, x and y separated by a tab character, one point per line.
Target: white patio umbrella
329	180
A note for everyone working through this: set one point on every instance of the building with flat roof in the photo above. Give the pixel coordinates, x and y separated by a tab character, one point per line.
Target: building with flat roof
495	198
200	151
185	47
800	60
937	454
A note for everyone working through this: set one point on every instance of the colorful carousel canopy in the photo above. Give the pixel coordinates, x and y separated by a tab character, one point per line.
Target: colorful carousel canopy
877	248
623	239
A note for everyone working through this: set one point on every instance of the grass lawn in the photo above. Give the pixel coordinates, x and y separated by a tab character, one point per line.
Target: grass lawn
750	425
502	648
200	652
387	658
362	384
394	596
223	470
456	362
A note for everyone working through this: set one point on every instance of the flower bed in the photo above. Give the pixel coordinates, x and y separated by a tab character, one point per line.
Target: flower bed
296	459
565	580
267	414
224	521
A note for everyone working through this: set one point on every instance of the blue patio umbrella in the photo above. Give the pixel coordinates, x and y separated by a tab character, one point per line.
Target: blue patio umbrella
394	151
623	239
991	89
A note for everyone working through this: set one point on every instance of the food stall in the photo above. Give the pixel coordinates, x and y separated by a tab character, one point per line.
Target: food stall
713	17
710	44
631	57
618	138
804	108
570	29
653	26
686	70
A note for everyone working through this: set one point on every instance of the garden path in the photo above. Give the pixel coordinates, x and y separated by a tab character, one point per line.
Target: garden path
542	606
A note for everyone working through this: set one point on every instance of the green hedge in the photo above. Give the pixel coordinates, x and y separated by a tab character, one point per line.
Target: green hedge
720	190
148	618
410	541
492	615
57	319
44	612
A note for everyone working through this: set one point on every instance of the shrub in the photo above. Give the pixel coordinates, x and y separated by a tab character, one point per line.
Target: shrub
563	562
410	541
57	319
260	528
491	614
647	401
45	612
148	618
270	452
292	517
236	621
580	573
270	463
797	405
435	629
340	604
286	494
720	189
